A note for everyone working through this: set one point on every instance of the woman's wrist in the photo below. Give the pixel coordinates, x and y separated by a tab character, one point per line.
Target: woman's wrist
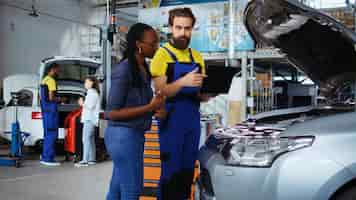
149	107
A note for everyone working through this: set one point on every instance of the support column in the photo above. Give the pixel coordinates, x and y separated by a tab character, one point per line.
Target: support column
251	79
244	86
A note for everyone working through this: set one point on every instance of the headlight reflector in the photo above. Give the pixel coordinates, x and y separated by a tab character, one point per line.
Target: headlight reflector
261	151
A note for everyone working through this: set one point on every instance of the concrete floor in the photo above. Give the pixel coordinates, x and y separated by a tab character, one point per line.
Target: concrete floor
35	182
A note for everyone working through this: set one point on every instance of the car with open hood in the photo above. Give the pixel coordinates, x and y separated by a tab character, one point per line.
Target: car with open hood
308	155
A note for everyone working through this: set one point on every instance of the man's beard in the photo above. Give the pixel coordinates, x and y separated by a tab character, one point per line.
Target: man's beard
180	42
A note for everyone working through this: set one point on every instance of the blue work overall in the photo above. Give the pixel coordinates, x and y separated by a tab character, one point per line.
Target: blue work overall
50	125
179	136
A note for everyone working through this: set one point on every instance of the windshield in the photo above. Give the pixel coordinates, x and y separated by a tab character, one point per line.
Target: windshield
75	72
72	69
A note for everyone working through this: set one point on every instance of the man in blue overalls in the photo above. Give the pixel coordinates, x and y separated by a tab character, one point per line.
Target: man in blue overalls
178	72
49	108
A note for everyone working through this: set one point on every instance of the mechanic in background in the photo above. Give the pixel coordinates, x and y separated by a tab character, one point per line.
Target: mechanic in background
50	115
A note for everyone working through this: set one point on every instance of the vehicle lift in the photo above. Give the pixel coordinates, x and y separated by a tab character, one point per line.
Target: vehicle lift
15	156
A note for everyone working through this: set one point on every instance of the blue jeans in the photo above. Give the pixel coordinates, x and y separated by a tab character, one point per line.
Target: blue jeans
89	149
125	146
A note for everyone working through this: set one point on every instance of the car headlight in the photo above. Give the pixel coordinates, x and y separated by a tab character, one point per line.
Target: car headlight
261	151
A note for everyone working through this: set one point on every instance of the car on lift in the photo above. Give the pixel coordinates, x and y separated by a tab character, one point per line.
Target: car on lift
310	155
73	71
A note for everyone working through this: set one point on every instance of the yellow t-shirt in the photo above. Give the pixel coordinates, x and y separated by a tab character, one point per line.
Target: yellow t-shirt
159	63
51	83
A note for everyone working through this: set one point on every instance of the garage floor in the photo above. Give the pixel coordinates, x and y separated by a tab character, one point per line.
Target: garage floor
33	181
36	182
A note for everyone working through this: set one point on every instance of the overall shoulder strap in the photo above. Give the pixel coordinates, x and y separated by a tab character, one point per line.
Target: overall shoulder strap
174	57
191	55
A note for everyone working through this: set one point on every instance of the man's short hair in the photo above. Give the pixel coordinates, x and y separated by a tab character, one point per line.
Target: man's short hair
52	66
181	12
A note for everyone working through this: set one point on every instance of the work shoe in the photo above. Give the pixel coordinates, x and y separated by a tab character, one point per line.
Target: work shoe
50	163
81	164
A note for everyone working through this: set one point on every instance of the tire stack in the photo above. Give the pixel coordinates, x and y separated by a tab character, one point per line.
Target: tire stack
152	164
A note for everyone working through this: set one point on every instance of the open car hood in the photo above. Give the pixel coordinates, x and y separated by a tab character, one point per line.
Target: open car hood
314	42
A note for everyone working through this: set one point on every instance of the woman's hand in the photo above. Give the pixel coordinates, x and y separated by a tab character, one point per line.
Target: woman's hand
161	113
158	101
81	101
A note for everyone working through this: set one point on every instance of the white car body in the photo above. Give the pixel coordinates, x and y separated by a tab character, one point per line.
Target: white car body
29	116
